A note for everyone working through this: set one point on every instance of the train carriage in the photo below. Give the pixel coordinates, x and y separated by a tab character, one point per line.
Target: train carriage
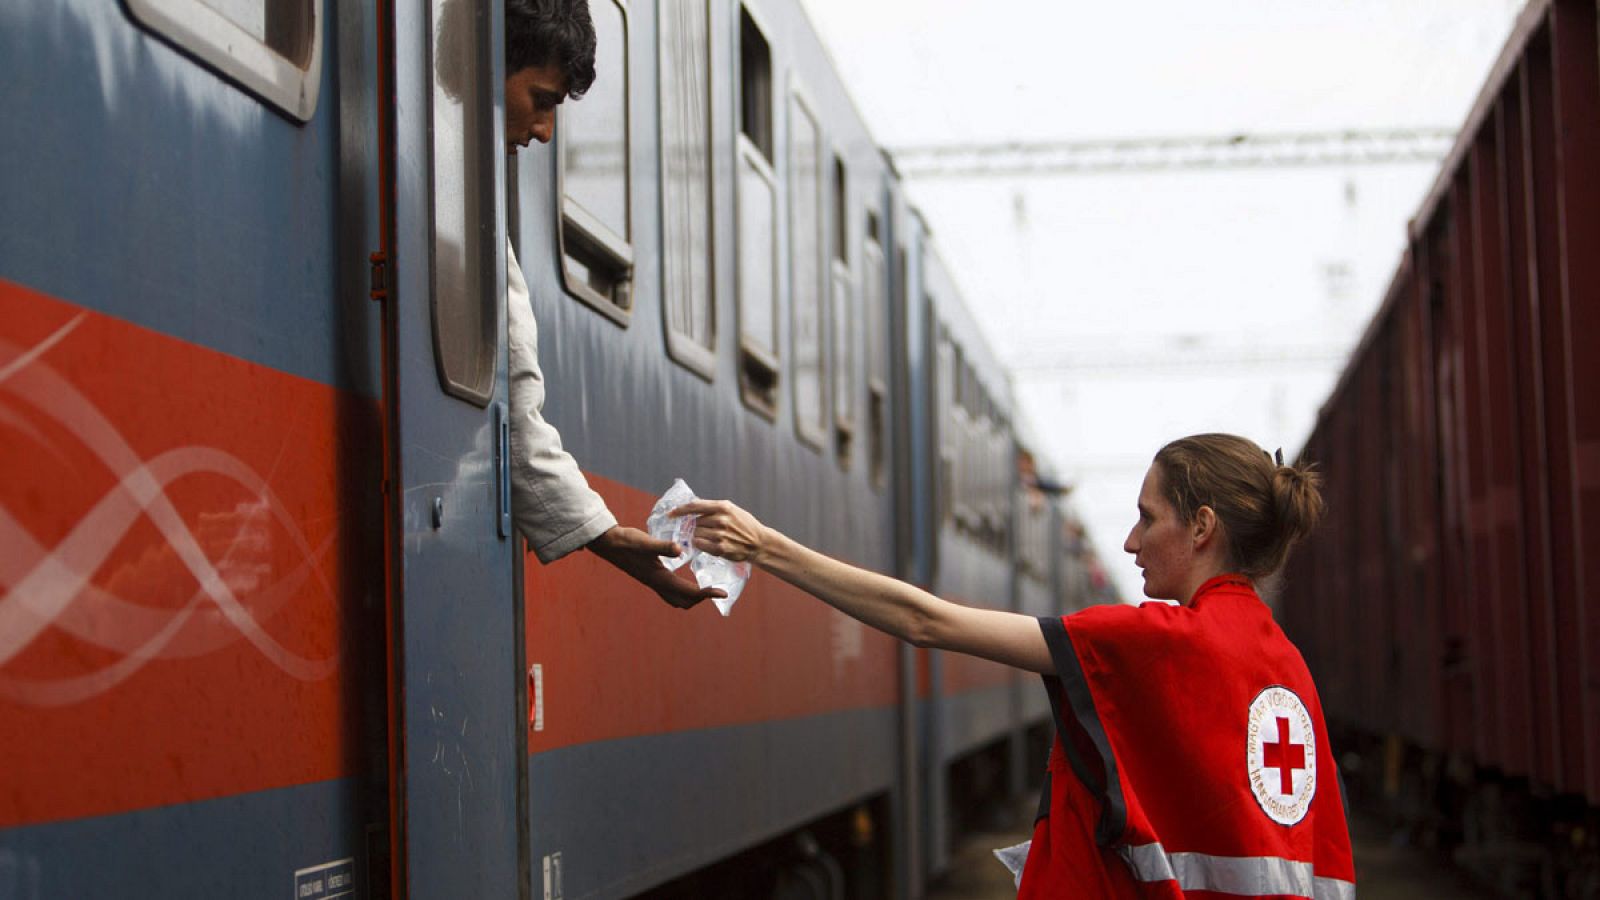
266	625
970	443
1448	608
193	567
666	739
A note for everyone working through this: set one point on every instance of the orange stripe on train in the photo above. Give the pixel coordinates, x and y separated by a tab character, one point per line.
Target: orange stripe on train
616	662
177	529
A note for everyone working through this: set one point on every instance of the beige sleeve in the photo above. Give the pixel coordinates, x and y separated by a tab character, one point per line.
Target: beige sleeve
551	502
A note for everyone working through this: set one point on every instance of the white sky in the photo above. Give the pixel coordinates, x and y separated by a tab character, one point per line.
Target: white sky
1116	275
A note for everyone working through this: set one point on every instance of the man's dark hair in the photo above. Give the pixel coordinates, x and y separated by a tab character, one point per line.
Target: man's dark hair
541	32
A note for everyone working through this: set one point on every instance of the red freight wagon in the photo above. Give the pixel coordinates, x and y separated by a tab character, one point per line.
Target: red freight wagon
1449	605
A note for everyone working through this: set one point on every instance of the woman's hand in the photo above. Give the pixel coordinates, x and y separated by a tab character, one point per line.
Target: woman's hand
725	530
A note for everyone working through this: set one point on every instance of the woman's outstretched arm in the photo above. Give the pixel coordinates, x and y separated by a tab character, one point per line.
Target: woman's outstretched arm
880	601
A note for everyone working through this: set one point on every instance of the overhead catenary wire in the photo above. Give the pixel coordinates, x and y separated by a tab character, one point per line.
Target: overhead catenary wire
1187	361
1347	147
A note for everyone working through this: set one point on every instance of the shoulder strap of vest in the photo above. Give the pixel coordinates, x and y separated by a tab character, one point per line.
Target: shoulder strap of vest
1043	811
1069	676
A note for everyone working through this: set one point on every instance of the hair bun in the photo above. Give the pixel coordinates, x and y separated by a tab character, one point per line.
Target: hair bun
1297	498
1263	505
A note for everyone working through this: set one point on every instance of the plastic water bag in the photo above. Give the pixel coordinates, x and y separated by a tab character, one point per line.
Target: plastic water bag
1015	858
709	571
679	531
716	572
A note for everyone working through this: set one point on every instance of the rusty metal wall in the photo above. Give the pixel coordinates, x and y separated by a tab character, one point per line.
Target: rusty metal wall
1450	598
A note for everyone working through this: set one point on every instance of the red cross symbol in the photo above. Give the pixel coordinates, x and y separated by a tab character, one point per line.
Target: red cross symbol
1287	758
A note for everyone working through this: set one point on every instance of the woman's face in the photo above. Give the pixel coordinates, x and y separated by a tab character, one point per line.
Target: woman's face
1161	544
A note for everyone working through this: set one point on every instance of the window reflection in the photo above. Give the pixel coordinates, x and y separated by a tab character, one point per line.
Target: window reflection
686	181
808	279
463	305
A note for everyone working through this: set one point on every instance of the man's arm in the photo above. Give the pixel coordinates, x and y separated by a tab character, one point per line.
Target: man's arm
551	502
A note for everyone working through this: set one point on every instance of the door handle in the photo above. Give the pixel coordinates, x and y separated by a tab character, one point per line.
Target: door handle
502	468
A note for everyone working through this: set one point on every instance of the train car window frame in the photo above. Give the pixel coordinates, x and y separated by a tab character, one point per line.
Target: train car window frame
583	238
962	422
875	298
944	419
465	361
994	493
843	311
1032	530
693	353
288	84
812	433
755	180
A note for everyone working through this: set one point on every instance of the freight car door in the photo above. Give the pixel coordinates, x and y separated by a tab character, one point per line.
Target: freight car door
454	748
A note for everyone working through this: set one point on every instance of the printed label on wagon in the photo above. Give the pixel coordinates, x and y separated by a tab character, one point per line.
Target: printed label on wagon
329	881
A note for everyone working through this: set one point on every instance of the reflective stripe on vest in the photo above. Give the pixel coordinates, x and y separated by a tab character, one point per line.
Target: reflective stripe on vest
1249	876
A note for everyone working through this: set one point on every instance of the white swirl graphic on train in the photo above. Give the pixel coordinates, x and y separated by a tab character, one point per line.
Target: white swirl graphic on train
49	587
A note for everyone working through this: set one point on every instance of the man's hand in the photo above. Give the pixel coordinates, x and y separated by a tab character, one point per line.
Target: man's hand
639	555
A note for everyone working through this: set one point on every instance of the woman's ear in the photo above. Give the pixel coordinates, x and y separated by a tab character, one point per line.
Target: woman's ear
1204	527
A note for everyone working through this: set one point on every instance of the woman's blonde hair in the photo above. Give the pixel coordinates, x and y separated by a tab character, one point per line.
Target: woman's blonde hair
1263	505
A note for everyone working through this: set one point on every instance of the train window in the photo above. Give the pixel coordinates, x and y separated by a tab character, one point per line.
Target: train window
1026	522
755	81
961	453
945	416
874	297
959	441
978	473
757	187
271	48
687	263
808	277
994	482
1035	544
843	314
597	176
1005	461
465	330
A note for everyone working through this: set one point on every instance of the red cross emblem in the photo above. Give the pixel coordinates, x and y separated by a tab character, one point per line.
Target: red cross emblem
1284	756
1279	735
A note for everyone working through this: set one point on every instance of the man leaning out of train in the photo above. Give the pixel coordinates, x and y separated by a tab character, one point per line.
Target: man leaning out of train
550	50
1146	794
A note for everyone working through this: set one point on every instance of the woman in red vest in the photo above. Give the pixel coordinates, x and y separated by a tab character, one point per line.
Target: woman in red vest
1191	758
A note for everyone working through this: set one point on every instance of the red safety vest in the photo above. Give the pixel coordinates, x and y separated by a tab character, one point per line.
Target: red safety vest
1191	759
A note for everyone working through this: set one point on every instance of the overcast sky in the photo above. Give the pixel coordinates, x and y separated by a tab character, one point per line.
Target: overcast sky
1109	293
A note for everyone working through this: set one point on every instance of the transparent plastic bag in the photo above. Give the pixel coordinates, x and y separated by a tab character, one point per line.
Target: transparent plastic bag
716	572
1015	857
709	571
679	531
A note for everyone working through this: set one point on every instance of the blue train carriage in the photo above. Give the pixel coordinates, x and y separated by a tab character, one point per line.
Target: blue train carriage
708	248
259	584
1041	554
1080	576
192	653
971	450
312	536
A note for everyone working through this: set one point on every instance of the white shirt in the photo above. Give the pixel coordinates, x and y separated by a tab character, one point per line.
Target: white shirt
551	502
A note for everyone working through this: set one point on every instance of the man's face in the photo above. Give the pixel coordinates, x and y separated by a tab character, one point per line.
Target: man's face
532	95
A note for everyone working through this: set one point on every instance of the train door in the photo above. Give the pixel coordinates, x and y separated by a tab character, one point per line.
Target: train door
191	671
455	740
909	368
